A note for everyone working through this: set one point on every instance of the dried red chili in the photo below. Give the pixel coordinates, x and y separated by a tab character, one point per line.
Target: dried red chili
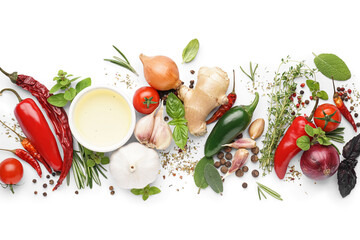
57	116
226	107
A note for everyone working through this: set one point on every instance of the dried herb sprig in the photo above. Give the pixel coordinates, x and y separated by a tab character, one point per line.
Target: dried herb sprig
281	107
252	73
269	191
122	62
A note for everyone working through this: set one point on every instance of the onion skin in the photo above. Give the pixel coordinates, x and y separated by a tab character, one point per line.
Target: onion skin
161	72
320	162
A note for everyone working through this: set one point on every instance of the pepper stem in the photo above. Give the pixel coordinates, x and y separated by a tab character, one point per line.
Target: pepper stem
233	91
3	149
19	136
250	108
12	90
313	111
13	76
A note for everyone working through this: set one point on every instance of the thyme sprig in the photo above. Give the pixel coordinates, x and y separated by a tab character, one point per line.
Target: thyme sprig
268	190
281	107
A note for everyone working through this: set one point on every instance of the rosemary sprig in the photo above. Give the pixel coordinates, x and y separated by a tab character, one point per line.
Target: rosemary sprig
281	107
122	62
269	191
336	135
252	73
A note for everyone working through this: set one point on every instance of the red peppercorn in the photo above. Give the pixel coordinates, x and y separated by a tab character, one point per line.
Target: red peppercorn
349	91
294	94
340	93
302	85
303	103
298	105
311	98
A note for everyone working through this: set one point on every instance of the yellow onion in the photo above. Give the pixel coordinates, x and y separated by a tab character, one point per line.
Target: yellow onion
160	72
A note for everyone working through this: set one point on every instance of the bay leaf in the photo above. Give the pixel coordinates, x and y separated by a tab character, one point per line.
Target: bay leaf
199	177
213	178
332	66
190	51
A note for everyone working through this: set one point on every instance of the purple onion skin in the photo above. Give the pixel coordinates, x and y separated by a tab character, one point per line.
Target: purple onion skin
320	162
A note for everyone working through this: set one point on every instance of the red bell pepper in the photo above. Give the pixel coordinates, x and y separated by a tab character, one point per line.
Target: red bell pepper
287	147
37	130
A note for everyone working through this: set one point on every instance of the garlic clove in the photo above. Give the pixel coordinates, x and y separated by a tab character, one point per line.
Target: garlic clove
242	143
256	128
238	161
161	136
144	128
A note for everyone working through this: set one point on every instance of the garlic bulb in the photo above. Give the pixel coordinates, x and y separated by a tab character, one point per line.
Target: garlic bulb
134	166
153	131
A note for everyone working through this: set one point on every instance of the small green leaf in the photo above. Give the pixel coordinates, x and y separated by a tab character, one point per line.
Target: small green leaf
174	107
213	178
320	141
332	66
64	82
199	177
136	191
90	163
310	130
313	85
190	51
324	141
303	143
145	197
57	100
70	94
83	84
322	95
55	88
178	121
154	190
105	160
180	135
97	160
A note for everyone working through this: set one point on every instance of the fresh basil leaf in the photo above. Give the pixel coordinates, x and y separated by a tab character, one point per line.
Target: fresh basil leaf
332	66
105	160
70	94
322	95
213	178
190	51
55	88
310	130
174	107
136	191
154	190
57	100
199	177
145	196
180	135
83	84
178	121
303	143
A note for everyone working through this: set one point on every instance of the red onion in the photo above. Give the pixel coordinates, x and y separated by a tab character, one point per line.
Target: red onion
320	162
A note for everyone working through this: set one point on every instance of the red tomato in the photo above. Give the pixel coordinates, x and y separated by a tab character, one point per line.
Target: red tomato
11	171
327	117
146	100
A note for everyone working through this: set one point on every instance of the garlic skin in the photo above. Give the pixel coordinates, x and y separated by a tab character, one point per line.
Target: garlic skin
134	166
238	161
242	143
161	136
144	128
256	128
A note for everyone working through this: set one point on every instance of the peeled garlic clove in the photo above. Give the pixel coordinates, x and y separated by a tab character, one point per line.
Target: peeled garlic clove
144	128
238	161
161	136
242	143
256	128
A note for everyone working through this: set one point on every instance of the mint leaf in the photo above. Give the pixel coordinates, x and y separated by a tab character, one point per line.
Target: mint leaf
310	130
332	66
57	100
70	94
303	143
83	84
55	88
322	95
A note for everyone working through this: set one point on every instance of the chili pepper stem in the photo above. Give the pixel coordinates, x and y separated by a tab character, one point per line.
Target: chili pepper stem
13	76
8	150
233	91
12	90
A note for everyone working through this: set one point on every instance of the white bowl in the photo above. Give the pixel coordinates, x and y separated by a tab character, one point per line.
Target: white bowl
86	143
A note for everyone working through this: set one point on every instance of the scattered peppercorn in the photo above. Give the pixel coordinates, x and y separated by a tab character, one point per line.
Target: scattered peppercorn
34	181
307	102
51	182
297	105
255	150
255	173
239	173
352	108
220	155
338	89
311	98
228	164
44	185
228	156
342	89
111	188
244	185
53	174
76	192
35	192
112	192
47	176
217	164
192	81
44	194
191	86
227	149
349	91
222	161
166	118
358	124
301	92
302	85
254	158
356	115
192	71
224	169
245	169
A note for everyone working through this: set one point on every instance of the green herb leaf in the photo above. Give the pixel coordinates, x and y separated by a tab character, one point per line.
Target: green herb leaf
213	178
190	51
90	163
180	135
174	107
332	66
322	95
55	88
65	82
83	84
105	160
178	121
199	177
310	130
145	196
303	143
57	100
313	85
70	94
137	191
154	190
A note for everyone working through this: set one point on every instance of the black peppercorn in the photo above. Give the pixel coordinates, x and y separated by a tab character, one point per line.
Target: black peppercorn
244	185
76	192
255	150
228	156
47	176
356	115
34	181
222	161
166	118
358	124
224	169
44	194
217	164
228	164
227	149
307	102
112	192
255	173
192	71
220	155
301	92
239	173
44	185
51	182
245	169
254	158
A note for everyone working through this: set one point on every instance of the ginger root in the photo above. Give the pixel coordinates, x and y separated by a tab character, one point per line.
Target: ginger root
209	93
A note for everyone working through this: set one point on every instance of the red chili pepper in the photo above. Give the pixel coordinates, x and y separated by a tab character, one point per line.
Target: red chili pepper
37	130
24	155
30	148
57	116
287	147
226	107
342	108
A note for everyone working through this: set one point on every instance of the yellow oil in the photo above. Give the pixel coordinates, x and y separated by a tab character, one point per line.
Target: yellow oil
102	117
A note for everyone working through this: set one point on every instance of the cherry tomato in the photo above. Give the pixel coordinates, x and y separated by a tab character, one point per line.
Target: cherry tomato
146	100
11	171
327	117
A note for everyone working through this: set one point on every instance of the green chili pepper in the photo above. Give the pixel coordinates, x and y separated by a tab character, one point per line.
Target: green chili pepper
230	125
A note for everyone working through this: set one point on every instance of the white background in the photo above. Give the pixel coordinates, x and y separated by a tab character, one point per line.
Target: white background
40	37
